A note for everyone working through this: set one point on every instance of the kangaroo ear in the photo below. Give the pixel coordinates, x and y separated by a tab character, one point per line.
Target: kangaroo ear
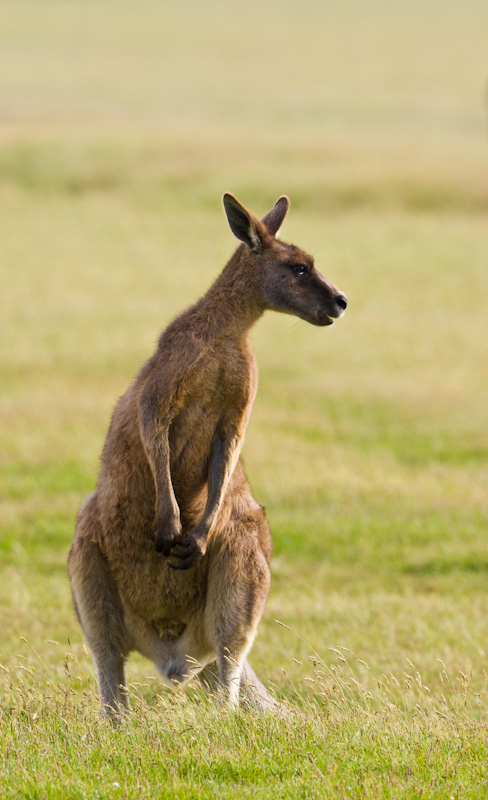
242	224
274	218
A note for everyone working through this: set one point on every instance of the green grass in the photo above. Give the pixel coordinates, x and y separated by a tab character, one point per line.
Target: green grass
121	127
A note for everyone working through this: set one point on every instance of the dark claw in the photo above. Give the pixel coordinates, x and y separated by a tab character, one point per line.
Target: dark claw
185	564
187	551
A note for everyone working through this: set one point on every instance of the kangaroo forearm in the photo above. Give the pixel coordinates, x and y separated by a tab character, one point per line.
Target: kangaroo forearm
167	525
223	458
166	505
222	463
159	462
156	446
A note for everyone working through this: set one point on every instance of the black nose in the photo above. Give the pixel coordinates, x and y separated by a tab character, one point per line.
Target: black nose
341	301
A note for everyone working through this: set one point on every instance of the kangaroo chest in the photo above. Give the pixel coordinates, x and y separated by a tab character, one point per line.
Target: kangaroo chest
217	397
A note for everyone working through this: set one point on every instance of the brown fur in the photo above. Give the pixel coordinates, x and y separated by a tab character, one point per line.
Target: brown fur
171	552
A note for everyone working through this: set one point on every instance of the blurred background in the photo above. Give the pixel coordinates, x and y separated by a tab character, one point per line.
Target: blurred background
345	103
121	125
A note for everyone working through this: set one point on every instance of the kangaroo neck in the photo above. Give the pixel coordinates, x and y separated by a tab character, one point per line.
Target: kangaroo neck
232	305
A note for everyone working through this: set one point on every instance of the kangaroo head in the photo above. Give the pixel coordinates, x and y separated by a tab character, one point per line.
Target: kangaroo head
284	275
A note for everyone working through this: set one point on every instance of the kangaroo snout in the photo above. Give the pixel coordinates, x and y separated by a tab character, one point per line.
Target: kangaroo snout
332	306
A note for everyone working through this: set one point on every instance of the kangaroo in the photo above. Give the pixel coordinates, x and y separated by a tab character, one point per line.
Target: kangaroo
171	553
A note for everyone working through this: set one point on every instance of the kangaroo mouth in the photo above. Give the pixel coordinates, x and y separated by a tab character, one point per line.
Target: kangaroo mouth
323	319
318	317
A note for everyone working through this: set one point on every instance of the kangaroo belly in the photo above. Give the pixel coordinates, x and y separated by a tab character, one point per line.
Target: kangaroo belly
164	598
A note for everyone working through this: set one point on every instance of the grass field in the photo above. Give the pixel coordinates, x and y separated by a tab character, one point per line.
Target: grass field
121	125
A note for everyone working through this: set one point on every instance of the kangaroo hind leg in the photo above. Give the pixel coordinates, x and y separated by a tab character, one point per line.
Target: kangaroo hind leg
253	695
238	589
99	609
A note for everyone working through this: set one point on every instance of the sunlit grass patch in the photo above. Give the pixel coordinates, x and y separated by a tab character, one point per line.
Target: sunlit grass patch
400	735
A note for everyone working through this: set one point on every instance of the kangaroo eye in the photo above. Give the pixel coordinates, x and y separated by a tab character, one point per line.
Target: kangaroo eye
299	269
